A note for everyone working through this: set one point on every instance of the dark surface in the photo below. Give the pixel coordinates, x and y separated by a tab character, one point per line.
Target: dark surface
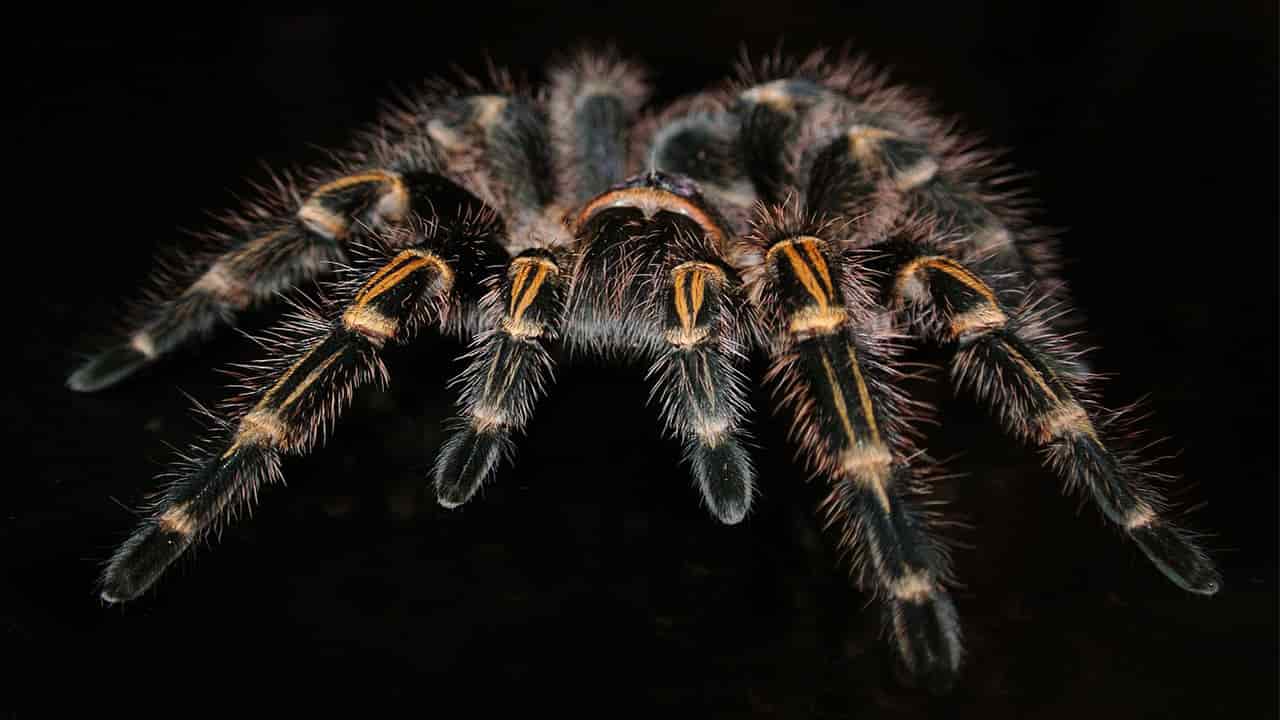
588	577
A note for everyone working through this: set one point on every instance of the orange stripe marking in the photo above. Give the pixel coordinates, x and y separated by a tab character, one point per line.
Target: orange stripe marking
955	270
308	381
1029	370
837	396
682	304
287	374
700	272
650	199
522	298
802	270
397	270
517	284
530	294
863	395
376	176
811	249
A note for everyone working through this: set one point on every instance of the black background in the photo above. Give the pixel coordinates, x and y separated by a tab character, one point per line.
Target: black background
588	577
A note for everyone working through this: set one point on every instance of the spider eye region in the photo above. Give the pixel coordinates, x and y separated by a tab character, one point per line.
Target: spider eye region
653	194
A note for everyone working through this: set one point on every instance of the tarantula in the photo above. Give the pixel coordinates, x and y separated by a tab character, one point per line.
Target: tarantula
807	209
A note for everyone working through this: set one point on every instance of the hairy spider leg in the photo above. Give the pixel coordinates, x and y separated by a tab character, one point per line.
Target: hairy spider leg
863	150
651	284
300	398
710	324
699	138
831	369
850	423
510	365
1028	376
275	255
509	368
700	385
593	101
285	242
861	158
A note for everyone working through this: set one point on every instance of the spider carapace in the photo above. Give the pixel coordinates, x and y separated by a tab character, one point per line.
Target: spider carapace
807	210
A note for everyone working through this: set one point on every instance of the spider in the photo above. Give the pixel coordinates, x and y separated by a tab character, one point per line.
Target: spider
807	209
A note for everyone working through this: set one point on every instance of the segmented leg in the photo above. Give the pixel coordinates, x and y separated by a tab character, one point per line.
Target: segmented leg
700	385
1029	377
592	103
864	150
276	255
590	107
303	398
510	367
697	376
699	139
492	144
650	283
850	424
877	169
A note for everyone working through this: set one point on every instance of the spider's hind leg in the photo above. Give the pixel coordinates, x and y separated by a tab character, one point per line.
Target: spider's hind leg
863	149
699	138
1028	375
591	105
275	255
290	236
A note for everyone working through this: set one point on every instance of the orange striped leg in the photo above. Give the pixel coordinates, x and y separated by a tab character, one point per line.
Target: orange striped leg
509	369
298	404
849	420
1028	376
701	387
276	256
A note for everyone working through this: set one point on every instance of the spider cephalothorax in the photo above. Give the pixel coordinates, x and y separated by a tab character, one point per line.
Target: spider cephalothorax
808	211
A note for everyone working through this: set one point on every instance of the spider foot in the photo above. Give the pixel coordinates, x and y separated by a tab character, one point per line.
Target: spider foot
723	473
140	562
107	368
1170	550
927	644
466	460
191	506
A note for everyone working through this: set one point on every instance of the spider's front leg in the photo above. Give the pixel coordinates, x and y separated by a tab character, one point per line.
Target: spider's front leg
646	278
698	379
509	368
850	423
580	132
651	282
1013	362
439	269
